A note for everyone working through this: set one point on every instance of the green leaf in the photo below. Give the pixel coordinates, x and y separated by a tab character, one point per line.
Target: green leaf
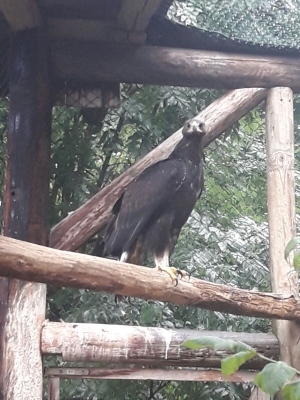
291	391
217	344
296	261
292	245
273	377
231	364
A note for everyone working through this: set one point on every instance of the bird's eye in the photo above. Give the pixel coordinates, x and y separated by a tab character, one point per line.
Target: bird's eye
201	125
188	125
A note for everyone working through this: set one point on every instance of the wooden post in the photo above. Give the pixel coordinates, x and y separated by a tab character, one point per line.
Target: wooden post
281	211
25	214
53	388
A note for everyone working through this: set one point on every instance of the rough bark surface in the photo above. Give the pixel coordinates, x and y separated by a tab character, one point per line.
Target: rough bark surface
25	215
41	264
144	345
149	374
95	63
281	211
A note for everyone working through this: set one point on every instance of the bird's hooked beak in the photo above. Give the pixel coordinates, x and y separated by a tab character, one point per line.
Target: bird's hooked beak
194	126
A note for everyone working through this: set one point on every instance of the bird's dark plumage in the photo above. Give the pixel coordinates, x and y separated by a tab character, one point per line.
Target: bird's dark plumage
149	215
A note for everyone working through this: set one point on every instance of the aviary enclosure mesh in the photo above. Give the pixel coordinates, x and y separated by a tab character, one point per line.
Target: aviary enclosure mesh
225	240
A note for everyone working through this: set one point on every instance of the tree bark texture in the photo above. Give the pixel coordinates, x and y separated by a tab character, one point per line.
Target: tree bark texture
94	62
155	374
281	211
25	214
83	223
145	346
41	264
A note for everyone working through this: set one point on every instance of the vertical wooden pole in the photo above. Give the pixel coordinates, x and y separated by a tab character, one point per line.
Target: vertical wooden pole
281	211
25	214
53	388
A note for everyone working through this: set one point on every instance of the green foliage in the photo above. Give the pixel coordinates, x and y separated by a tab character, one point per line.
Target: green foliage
242	351
217	344
291	391
292	245
231	364
274	376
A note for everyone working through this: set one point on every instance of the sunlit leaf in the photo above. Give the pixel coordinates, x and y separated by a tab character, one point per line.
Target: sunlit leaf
292	245
231	364
291	391
273	377
216	343
296	261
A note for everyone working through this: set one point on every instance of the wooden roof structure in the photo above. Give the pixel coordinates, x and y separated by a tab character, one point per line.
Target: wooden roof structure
95	41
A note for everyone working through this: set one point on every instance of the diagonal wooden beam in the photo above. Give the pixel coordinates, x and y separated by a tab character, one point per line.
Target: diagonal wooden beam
83	223
35	263
21	14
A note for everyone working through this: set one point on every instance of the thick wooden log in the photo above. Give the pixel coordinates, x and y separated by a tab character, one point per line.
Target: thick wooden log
94	62
145	345
153	374
41	264
83	223
25	214
281	211
21	14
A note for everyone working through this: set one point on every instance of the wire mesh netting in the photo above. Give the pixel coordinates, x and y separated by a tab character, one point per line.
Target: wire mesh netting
270	23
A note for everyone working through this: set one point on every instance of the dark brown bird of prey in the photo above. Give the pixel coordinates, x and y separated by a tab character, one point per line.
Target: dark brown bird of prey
149	215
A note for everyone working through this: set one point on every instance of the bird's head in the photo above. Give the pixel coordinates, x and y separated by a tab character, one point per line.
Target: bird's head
193	126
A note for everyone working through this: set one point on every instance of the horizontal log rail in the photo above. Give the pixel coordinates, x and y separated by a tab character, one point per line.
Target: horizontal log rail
83	223
138	345
35	263
149	374
94	62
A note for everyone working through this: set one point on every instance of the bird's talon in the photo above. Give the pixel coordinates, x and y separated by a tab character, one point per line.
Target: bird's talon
179	273
176	282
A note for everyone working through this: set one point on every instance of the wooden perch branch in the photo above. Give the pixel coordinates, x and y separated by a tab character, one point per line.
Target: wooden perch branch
83	223
92	62
153	374
40	264
145	345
